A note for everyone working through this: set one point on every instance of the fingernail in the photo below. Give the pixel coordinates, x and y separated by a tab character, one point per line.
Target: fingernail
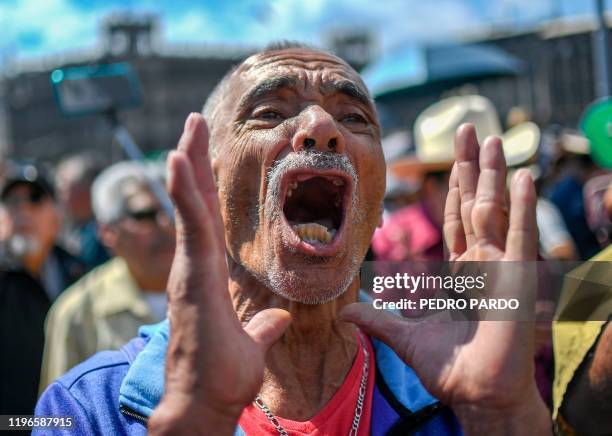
523	175
494	140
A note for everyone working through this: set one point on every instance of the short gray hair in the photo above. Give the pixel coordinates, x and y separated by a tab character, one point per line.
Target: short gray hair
107	194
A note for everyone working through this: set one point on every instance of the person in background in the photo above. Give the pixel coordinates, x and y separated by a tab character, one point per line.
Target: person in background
573	169
73	179
555	240
582	340
33	272
32	223
104	309
598	205
415	232
399	193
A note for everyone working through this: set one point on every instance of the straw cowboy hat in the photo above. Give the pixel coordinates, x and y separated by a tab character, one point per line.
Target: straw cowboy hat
434	134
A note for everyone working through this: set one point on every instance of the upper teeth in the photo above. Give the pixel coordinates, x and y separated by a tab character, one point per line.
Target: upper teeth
292	186
338	182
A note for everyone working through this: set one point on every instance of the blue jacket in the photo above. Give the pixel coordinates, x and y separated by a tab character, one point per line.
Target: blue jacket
114	393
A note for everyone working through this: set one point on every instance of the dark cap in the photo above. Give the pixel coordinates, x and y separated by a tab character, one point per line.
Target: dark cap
25	174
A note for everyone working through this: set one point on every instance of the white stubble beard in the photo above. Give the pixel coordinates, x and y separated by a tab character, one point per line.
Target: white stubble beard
290	284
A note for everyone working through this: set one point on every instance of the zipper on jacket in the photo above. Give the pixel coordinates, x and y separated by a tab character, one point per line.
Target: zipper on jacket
133	414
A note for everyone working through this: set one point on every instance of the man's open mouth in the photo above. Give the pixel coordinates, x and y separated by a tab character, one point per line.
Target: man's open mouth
315	204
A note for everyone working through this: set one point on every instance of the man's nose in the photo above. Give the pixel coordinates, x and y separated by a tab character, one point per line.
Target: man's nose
318	131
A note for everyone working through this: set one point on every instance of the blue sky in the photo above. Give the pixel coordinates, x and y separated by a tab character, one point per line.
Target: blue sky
31	28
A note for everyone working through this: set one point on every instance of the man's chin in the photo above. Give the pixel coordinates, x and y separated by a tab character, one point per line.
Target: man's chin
313	285
310	296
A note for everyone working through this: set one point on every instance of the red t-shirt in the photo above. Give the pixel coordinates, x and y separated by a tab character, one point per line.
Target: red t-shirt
336	417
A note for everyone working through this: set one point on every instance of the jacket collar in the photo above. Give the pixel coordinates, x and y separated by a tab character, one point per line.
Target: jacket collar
118	292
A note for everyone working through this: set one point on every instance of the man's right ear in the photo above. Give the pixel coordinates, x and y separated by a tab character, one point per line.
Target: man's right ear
108	235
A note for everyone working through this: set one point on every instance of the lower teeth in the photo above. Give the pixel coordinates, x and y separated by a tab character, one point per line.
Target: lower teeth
314	232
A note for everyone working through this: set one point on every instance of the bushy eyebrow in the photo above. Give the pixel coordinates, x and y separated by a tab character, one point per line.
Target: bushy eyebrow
265	87
350	89
273	84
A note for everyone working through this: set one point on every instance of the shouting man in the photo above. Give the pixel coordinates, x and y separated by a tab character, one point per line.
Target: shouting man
276	204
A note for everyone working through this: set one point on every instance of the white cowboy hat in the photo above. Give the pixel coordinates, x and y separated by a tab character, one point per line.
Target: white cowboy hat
434	133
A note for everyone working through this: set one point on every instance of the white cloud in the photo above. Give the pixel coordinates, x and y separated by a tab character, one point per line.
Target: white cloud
62	26
189	27
394	21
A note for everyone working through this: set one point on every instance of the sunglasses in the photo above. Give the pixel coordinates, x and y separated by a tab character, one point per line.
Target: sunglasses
145	215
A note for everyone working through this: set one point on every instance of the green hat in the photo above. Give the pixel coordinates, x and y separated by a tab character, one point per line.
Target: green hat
597	126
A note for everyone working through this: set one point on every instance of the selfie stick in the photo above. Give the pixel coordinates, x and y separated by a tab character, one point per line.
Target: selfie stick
79	91
128	144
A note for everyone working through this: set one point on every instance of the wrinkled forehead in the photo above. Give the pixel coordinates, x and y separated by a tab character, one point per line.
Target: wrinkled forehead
301	69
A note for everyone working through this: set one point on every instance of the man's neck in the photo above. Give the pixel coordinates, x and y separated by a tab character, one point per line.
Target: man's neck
34	262
306	367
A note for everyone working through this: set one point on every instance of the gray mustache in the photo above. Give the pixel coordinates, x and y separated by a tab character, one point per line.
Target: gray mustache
310	160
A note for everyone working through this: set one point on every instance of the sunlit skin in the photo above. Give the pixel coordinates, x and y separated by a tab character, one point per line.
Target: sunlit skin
233	337
267	128
317	350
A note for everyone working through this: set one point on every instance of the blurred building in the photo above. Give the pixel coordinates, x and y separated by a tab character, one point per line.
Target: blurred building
559	83
357	46
174	81
555	86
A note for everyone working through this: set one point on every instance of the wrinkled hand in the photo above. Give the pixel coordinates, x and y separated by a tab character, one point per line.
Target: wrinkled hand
482	369
214	366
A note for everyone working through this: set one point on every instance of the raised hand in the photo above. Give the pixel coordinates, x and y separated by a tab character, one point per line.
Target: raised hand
482	369
214	366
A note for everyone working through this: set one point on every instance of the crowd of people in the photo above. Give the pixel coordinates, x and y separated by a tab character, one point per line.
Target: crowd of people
572	211
86	256
63	299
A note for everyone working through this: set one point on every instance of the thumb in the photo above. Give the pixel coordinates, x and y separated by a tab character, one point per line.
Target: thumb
267	326
382	324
